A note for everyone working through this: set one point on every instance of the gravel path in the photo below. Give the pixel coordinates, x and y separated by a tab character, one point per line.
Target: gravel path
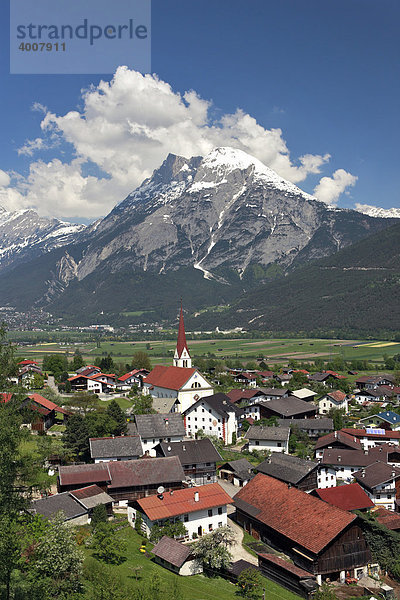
237	550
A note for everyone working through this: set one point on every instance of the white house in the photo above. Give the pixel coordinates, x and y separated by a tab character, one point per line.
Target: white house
157	428
379	480
326	477
274	439
336	399
201	509
215	415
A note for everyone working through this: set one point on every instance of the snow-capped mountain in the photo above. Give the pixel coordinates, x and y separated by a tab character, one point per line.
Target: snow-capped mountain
207	226
376	211
24	235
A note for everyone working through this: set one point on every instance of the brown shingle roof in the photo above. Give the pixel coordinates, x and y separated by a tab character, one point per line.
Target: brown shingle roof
171	551
376	474
305	520
340	437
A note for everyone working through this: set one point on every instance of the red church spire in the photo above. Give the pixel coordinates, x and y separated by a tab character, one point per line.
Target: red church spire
181	344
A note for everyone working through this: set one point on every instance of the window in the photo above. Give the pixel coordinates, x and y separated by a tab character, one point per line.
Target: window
279	445
202	410
378	496
389	496
210	528
220	510
185	518
257	443
210	512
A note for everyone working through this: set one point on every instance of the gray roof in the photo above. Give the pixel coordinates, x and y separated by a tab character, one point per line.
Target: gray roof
376	474
242	468
124	446
50	506
172	551
290	406
160	425
259	432
286	467
322	424
191	452
274	391
163	405
219	402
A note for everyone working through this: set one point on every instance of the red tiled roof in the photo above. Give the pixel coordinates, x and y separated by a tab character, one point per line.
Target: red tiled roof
5	397
337	395
183	501
388	518
305	520
171	378
127	375
97	375
181	344
266	374
361	433
347	497
236	395
346	438
334	374
286	565
246	375
88	492
48	404
28	362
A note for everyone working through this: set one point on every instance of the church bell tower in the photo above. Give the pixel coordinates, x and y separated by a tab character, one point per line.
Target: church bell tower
182	355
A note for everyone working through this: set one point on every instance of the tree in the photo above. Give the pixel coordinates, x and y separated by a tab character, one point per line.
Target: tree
337	415
99	515
76	436
100	424
107	547
57	562
249	582
56	364
142	405
77	361
325	592
117	414
173	530
212	549
8	363
141	360
106	364
85	401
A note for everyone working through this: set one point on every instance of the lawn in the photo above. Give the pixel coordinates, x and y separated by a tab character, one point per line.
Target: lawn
196	587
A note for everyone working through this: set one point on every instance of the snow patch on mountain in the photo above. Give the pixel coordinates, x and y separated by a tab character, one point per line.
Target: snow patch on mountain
377	211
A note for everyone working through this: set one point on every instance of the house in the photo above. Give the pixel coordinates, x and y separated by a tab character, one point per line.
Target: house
124	480
127	381
156	428
314	428
88	370
77	506
291	469
381	482
324	540
333	400
185	384
275	393
109	379
289	408
265	375
326	378
347	497
181	381
386	419
245	397
370	395
176	557
198	459
371	382
126	447
345	462
371	437
283	378
45	413
304	394
272	439
238	472
249	379
201	509
85	383
337	439
215	415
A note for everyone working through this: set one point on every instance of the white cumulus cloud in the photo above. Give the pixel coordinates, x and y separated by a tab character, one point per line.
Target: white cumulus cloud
329	188
125	129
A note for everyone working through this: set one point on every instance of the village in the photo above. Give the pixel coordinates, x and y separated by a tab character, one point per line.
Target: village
292	469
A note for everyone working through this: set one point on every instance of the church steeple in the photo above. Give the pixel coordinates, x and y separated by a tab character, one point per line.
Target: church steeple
182	355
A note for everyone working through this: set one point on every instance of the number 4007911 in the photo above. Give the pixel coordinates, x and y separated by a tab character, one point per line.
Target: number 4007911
42	47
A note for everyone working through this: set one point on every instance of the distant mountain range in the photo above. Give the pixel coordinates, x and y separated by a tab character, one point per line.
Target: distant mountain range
210	229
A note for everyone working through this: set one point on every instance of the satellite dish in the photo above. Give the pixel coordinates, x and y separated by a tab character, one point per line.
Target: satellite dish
160	489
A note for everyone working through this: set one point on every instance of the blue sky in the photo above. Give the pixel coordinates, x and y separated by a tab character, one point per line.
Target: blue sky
324	72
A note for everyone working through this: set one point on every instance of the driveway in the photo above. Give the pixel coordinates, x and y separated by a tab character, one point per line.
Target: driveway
237	550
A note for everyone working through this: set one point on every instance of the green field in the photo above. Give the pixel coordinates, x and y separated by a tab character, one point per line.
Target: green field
272	351
195	587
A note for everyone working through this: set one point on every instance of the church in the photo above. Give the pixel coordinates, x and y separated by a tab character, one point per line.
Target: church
181	381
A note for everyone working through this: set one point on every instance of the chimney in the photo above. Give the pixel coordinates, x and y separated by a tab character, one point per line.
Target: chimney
171	493
362	472
335	434
184	448
393	473
339	459
166	422
196	496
